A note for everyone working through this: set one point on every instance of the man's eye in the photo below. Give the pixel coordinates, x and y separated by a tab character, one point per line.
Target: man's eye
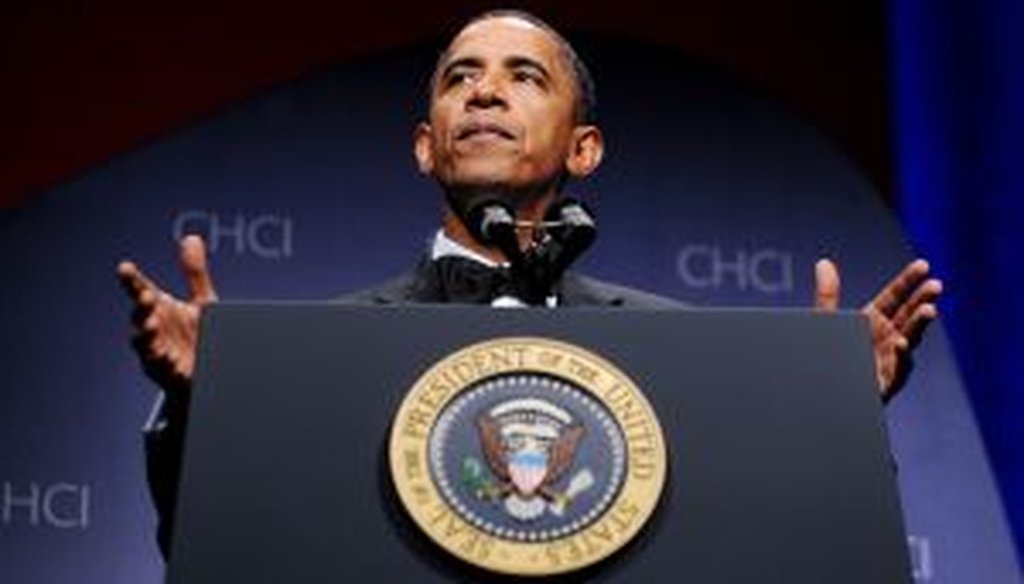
457	77
523	75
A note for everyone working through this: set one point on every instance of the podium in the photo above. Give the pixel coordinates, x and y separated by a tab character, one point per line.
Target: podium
776	467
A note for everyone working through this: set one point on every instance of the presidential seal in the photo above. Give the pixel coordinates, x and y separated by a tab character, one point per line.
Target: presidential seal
527	456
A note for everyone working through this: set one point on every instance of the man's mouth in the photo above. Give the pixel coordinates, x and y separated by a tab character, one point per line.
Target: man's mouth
476	129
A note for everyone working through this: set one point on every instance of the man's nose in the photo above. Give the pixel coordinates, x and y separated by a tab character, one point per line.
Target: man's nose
487	91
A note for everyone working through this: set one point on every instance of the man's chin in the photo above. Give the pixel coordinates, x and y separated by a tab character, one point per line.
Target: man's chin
513	184
482	180
483	173
463	195
508	190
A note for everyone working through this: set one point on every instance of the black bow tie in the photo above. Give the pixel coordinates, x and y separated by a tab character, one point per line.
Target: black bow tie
465	281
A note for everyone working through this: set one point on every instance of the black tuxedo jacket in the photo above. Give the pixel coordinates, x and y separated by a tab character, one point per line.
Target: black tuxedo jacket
165	435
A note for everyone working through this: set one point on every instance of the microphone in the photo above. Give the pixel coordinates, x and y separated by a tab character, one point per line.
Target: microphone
492	222
567	231
572	230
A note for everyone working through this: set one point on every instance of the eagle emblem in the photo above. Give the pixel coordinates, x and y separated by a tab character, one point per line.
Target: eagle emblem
529	445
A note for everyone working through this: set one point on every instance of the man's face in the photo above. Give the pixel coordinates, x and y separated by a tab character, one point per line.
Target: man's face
503	111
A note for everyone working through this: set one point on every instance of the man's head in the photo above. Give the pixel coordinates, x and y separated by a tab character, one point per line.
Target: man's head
511	110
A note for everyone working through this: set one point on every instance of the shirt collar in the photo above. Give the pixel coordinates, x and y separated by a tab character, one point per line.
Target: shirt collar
445	246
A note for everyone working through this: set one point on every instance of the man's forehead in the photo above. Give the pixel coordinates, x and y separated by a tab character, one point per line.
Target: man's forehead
503	34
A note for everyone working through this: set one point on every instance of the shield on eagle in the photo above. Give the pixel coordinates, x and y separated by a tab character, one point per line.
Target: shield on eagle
529	444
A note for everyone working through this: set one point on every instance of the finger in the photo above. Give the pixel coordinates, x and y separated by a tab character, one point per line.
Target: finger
891	296
140	315
133	280
926	293
197	274
145	305
826	285
918	323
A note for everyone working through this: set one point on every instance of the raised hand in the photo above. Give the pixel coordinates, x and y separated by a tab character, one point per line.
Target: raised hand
898	315
166	327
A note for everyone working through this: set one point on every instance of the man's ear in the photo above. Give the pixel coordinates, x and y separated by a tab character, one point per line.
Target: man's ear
587	151
423	148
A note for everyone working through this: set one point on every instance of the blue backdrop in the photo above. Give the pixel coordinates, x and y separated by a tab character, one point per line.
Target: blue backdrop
958	80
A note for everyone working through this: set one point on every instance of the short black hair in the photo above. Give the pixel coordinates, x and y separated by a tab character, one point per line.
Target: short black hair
586	94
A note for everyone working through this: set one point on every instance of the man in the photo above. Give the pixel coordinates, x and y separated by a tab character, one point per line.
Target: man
510	115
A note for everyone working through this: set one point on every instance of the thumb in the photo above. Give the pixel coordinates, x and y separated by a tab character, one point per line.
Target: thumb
826	285
197	274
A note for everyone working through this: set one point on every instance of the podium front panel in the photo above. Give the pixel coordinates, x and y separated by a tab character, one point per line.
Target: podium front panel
778	468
